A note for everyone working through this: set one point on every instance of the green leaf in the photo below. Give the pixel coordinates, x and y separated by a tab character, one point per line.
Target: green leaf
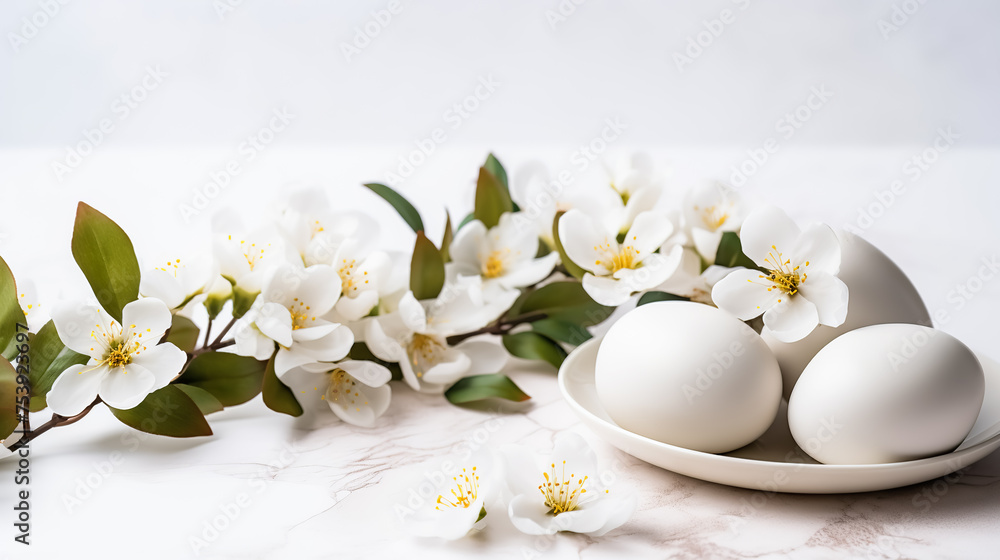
480	387
730	253
566	301
494	166
9	398
446	240
105	255
465	221
492	199
402	206
10	308
360	351
426	269
49	358
562	331
229	378
277	396
533	346
183	333
166	412
207	404
482	514
650	297
571	267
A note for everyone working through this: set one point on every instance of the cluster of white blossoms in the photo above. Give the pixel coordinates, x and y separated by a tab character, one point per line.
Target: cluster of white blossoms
543	494
310	284
627	244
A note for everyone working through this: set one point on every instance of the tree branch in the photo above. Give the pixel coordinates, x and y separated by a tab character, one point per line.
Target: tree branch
500	327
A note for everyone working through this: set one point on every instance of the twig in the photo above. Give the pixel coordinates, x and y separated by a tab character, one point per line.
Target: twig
208	331
500	327
224	332
54	422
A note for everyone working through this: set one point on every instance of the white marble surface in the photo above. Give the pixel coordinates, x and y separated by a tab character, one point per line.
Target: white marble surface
324	493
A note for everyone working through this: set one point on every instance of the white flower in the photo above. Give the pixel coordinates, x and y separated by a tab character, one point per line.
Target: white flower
617	270
177	281
799	289
503	256
562	492
126	361
462	494
355	391
31	305
709	211
415	336
635	181
289	312
541	197
691	281
246	259
361	278
314	232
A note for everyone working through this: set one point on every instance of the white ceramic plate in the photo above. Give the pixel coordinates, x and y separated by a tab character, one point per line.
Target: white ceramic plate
774	463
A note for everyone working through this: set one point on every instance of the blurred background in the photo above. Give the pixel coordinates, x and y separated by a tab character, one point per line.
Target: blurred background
877	115
356	73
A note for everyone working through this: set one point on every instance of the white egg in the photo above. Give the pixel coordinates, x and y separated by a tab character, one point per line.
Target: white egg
884	394
689	375
879	293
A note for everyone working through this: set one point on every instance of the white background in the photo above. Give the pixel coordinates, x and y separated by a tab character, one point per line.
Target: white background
557	81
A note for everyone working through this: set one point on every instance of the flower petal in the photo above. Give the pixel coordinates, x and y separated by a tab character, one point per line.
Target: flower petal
595	515
454	365
309	388
820	247
146	313
484	356
642	200
765	228
369	373
357	307
530	515
830	296
655	270
621	511
320	289
581	237
160	284
457	311
75	389
576	452
530	272
412	313
707	242
75	323
745	294
468	244
508	235
251	342
330	348
362	407
316	331
275	322
164	361
125	387
606	290
792	319
648	232
384	347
